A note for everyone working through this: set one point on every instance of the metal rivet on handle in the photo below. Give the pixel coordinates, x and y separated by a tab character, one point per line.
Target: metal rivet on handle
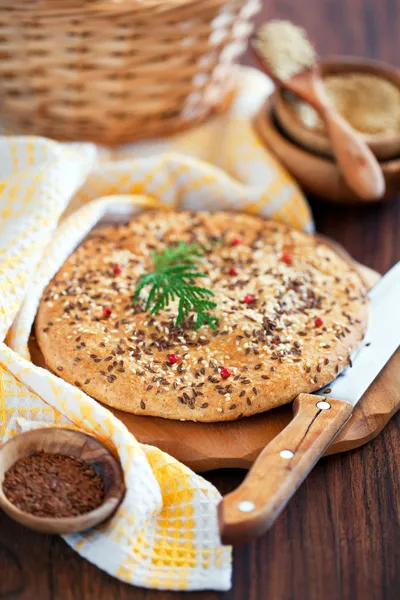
286	454
246	506
323	405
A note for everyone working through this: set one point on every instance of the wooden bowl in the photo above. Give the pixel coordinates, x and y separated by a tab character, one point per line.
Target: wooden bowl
77	445
384	146
316	174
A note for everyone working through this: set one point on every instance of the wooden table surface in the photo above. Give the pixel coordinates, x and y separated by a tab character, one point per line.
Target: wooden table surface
338	539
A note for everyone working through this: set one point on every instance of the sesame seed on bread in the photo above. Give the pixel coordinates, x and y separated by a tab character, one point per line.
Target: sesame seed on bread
290	312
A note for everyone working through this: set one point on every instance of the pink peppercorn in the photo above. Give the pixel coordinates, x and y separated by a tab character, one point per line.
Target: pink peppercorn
225	373
248	299
287	258
173	358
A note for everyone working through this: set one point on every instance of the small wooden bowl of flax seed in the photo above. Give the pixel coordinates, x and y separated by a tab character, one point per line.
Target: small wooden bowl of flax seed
365	92
57	480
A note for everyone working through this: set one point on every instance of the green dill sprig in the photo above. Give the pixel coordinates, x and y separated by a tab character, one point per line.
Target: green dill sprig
174	278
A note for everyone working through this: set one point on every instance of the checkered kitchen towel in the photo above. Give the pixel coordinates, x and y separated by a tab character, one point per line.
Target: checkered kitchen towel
165	533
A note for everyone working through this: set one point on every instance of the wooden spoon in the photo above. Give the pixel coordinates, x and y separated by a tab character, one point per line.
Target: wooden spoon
356	161
73	443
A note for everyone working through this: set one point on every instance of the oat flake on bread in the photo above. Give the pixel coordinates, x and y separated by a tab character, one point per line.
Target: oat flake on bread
307	313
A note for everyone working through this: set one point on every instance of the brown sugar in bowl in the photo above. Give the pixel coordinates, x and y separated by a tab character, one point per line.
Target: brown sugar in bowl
384	145
76	444
316	174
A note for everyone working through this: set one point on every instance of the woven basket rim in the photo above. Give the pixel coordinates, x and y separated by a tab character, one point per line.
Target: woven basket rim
95	7
115	77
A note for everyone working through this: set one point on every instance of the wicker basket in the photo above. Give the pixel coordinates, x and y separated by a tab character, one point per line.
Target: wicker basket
115	71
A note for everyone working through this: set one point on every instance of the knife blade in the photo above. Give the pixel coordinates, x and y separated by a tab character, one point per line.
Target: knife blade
250	510
380	342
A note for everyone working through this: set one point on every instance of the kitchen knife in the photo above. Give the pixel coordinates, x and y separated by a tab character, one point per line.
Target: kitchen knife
250	510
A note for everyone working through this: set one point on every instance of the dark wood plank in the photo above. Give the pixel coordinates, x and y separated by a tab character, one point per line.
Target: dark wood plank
338	537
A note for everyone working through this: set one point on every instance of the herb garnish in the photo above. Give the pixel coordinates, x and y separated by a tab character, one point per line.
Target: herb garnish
174	278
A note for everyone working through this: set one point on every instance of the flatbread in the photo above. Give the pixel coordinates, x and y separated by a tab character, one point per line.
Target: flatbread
290	311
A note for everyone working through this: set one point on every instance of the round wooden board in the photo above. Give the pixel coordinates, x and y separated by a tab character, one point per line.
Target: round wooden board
236	444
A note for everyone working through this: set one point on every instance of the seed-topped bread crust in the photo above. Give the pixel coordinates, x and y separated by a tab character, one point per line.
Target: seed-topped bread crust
290	312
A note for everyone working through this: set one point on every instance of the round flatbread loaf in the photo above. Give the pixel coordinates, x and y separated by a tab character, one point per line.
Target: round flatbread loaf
290	311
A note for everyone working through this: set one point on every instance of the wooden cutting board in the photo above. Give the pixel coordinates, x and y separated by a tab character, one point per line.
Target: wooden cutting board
236	444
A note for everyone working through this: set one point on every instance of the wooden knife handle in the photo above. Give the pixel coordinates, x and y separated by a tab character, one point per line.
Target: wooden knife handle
250	510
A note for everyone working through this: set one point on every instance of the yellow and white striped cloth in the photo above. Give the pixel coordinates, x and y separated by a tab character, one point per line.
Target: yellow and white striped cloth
165	533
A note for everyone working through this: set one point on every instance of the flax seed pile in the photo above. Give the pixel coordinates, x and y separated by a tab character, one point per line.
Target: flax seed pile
53	485
290	313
